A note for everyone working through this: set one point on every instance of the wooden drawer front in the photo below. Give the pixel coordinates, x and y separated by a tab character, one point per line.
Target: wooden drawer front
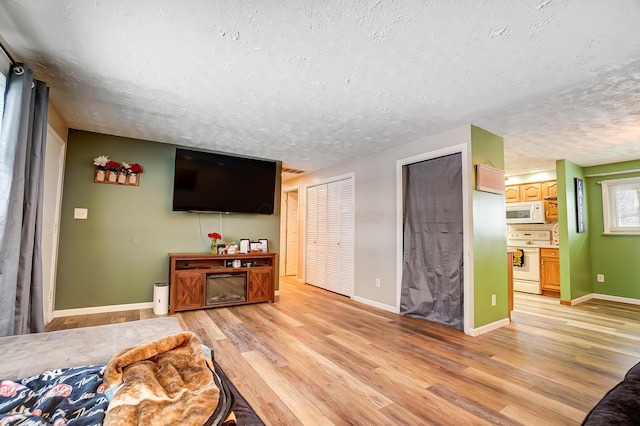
549	252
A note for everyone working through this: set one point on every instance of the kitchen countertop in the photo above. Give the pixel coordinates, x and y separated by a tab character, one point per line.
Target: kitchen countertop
532	245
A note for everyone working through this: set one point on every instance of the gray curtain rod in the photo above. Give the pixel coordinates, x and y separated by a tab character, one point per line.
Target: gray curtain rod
7	54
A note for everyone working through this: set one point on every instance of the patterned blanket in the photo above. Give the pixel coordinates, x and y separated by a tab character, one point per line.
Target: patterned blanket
166	382
71	396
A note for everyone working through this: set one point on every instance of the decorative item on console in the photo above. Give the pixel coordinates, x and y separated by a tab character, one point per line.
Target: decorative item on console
214	236
232	248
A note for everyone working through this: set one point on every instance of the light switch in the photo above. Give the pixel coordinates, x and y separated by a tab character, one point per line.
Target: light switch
80	213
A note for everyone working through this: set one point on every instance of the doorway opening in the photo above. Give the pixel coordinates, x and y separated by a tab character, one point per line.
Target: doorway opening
434	275
290	256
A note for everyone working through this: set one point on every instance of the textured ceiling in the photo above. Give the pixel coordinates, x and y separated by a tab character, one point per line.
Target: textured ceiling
316	83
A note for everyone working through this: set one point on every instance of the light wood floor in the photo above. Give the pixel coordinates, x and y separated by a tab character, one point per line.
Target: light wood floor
315	357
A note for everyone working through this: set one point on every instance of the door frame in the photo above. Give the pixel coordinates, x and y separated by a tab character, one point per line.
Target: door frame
49	283
301	228
467	267
286	230
302	233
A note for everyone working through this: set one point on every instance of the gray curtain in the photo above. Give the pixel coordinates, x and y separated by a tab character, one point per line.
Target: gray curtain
432	275
22	146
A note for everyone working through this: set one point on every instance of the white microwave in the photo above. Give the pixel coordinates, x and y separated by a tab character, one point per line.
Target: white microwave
525	212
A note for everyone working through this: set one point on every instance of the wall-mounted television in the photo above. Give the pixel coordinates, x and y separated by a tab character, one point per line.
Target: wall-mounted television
211	182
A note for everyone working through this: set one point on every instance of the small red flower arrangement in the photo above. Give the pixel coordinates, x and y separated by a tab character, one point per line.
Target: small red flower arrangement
113	166
214	240
135	168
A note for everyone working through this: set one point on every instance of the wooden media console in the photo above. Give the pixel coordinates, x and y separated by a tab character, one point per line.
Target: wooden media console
202	280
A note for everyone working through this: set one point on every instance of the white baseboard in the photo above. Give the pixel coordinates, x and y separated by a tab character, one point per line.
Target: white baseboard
489	327
614	298
375	304
101	309
608	297
582	299
109	308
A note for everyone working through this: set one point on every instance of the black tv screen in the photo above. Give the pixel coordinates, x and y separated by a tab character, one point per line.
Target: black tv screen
210	182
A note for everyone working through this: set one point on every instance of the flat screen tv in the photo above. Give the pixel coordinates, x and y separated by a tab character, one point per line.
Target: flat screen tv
210	182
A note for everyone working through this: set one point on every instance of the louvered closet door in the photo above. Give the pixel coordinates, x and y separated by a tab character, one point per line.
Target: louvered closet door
330	258
311	271
346	243
333	236
321	238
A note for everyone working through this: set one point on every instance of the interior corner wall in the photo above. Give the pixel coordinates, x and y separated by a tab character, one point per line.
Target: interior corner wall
489	234
56	121
614	256
117	254
575	247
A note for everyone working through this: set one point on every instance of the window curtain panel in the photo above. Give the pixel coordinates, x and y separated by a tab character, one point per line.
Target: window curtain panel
432	274
22	149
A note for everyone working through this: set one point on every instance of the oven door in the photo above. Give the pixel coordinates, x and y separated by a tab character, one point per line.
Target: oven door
530	271
527	278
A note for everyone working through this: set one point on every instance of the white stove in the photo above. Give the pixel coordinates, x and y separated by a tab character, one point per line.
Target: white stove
526	278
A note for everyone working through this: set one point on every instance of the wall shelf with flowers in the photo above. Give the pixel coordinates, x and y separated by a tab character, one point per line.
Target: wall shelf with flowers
116	173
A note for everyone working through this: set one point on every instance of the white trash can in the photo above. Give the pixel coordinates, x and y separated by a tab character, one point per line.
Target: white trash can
161	298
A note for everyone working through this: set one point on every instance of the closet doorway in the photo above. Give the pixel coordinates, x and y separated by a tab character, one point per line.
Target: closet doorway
432	220
329	258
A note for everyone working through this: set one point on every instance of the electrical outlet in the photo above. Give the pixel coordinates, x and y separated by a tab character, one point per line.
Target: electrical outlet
493	300
378	282
600	278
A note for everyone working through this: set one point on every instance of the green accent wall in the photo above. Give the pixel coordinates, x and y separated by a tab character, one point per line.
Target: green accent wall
583	256
489	234
575	248
615	256
117	254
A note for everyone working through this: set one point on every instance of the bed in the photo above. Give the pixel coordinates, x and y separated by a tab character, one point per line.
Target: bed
115	374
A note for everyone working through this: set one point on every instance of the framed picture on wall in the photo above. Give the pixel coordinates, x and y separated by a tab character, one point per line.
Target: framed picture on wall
489	179
579	206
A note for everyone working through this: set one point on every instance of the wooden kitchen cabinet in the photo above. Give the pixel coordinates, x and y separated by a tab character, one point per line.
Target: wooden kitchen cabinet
550	271
512	193
531	191
550	197
549	188
551	210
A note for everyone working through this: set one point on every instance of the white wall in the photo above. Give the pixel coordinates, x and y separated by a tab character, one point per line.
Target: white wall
376	215
531	177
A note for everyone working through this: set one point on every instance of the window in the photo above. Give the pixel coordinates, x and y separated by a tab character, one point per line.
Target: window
621	206
5	66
